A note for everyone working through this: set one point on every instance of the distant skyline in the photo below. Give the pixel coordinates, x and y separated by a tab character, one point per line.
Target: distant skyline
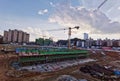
34	16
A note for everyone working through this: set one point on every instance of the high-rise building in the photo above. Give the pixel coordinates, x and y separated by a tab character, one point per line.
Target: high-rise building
20	36
10	35
24	37
5	37
85	36
15	36
27	38
118	42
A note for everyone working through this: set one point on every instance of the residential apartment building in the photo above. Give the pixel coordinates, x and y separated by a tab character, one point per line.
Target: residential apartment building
15	36
20	36
27	38
10	35
5	37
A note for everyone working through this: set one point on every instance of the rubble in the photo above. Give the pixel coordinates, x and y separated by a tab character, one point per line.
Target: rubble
82	80
100	72
49	67
66	78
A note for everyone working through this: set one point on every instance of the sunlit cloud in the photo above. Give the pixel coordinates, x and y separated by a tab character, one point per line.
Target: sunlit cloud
89	21
119	8
42	12
52	4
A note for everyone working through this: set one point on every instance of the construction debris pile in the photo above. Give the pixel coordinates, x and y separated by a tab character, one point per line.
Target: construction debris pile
101	72
68	78
49	67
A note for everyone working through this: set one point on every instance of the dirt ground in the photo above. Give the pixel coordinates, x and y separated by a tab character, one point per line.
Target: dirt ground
5	60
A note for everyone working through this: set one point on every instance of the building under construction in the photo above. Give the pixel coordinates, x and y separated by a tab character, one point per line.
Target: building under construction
44	55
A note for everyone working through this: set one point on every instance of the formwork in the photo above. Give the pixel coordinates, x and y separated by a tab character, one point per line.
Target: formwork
48	55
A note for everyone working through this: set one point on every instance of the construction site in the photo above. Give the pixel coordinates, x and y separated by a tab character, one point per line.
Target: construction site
58	63
75	60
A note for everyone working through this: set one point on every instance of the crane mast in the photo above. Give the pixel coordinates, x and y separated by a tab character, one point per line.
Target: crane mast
69	33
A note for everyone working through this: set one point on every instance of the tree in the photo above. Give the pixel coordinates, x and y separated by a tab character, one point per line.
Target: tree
39	41
42	41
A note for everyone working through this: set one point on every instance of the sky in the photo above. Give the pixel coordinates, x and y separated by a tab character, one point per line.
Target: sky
38	16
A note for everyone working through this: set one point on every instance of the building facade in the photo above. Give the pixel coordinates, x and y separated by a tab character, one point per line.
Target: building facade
10	35
20	36
1	39
5	37
85	36
15	36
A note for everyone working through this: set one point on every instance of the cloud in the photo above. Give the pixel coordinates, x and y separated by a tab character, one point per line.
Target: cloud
36	33
1	32
52	4
119	8
33	26
42	12
90	21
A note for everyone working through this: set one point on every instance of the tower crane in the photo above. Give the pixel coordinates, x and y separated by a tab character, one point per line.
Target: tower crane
101	4
76	27
69	33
